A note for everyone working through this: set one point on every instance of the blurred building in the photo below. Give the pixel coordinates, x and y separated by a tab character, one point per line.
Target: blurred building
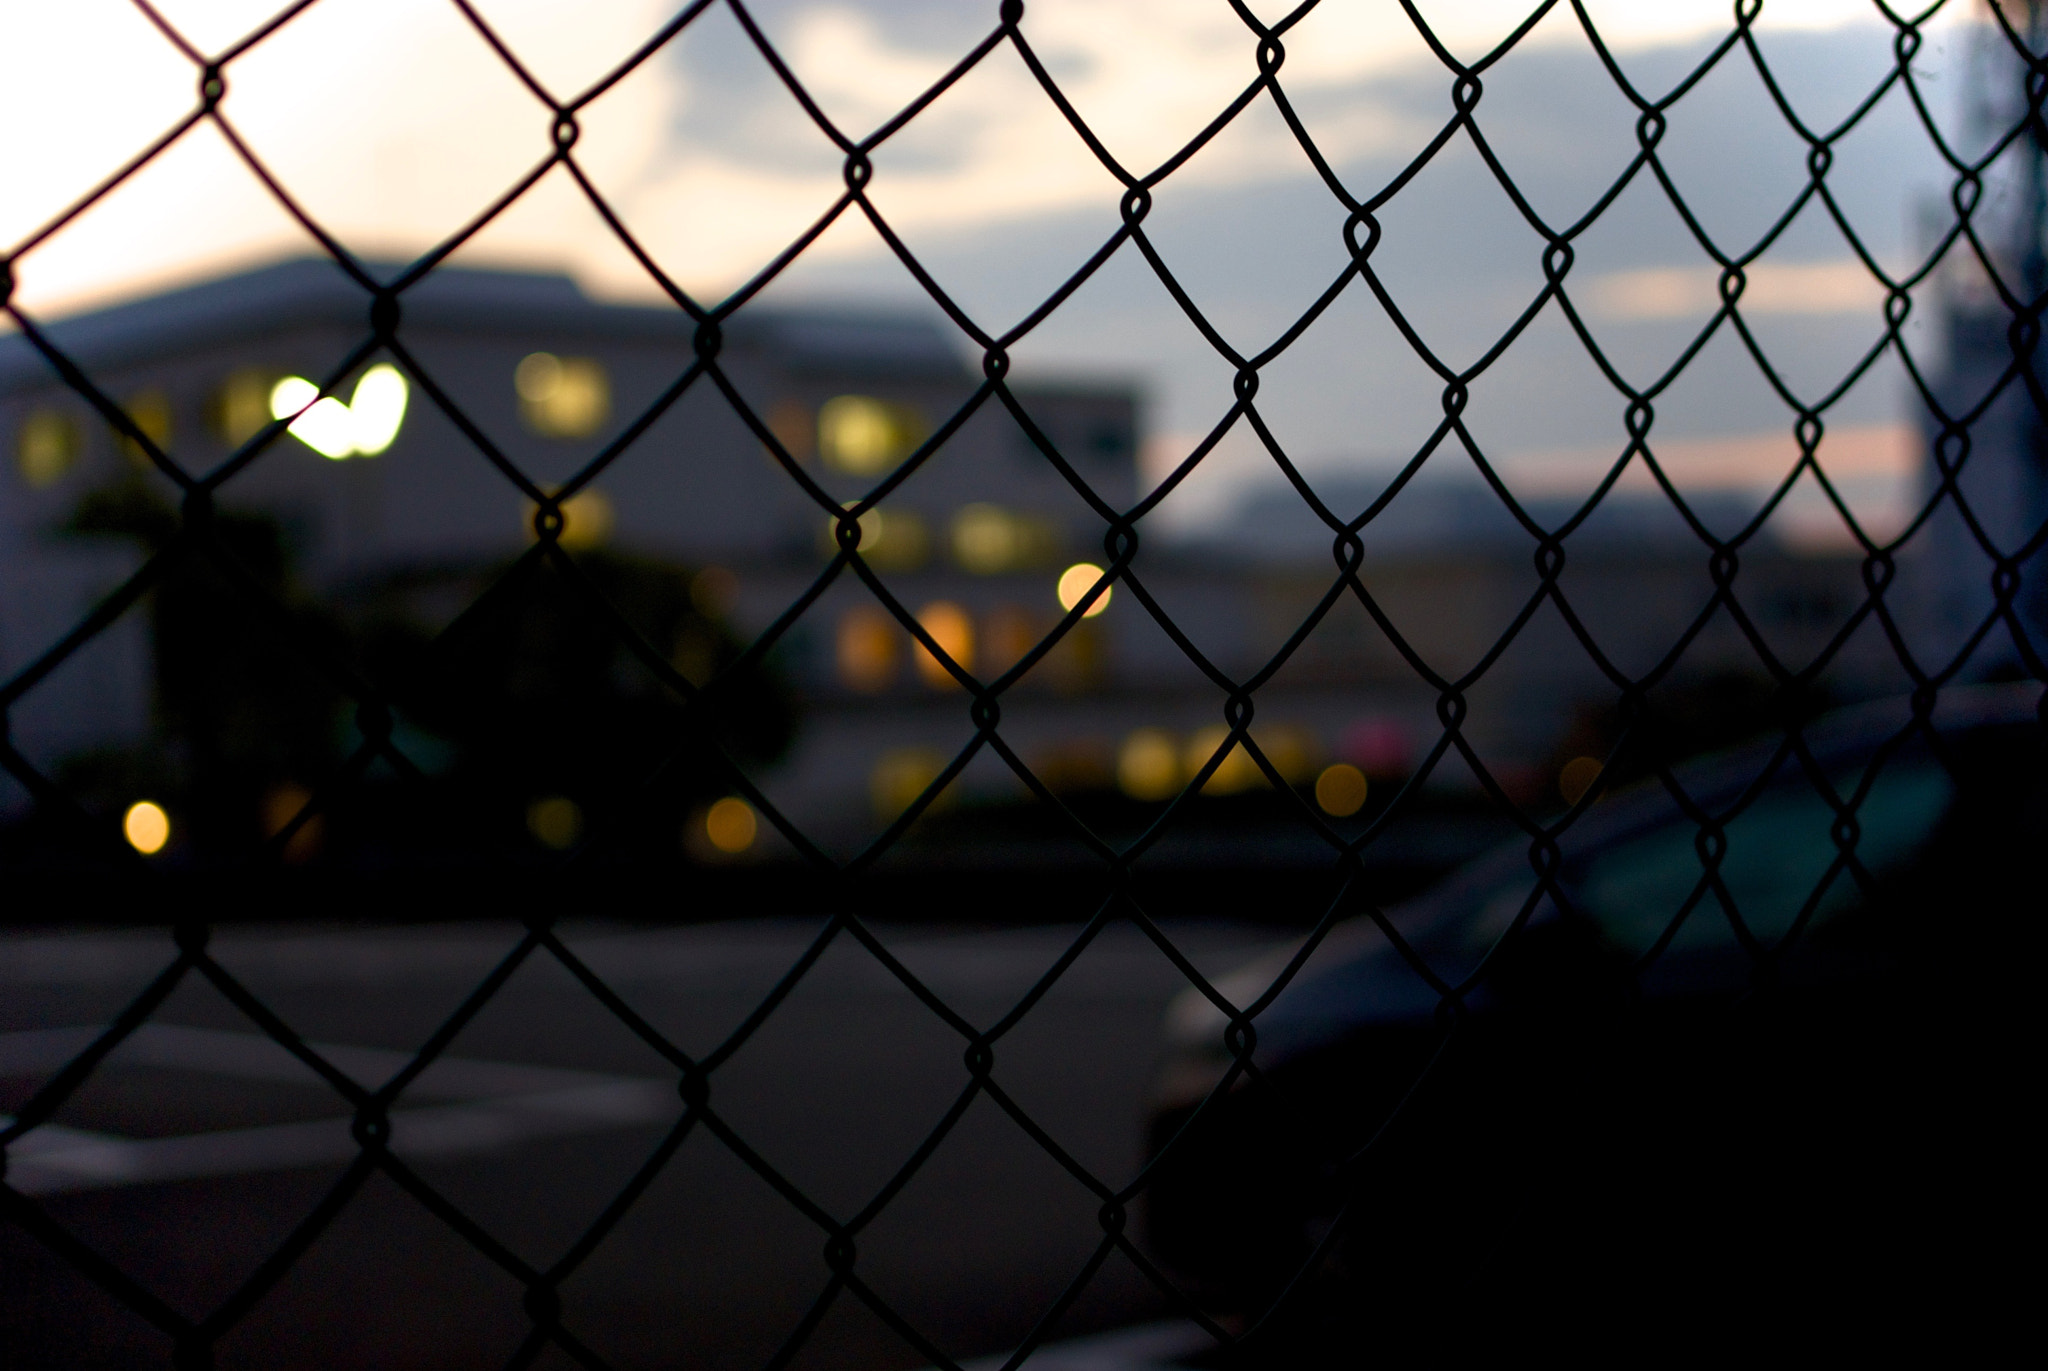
1986	416
383	478
985	544
1997	452
1453	572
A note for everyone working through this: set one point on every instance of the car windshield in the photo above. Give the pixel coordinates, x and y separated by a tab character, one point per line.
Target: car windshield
1779	851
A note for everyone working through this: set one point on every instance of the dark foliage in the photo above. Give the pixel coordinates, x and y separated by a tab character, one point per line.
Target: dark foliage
535	697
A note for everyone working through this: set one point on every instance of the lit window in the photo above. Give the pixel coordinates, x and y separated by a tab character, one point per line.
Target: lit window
1237	772
562	397
730	825
1292	751
241	406
280	807
1075	662
953	631
1341	790
868	648
694	653
1148	765
1007	635
363	427
1075	583
984	539
791	423
900	776
893	541
555	822
587	520
989	540
1074	766
1577	778
149	411
47	447
146	827
865	436
712	591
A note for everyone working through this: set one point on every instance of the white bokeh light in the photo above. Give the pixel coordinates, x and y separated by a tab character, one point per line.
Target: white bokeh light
363	427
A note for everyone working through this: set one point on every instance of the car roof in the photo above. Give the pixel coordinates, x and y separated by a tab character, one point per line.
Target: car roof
1326	997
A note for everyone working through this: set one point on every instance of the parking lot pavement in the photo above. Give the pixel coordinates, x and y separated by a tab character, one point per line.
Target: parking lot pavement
200	1144
499	1106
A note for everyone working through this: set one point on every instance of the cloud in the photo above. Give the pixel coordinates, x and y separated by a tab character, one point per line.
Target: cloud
394	122
1741	461
1666	293
1875	468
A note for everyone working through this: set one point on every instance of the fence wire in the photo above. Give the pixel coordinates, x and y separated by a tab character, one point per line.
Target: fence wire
1952	420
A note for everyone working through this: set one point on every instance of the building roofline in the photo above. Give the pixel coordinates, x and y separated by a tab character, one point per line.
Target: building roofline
303	292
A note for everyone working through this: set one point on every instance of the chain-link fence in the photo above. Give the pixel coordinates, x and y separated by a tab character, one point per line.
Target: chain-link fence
1970	546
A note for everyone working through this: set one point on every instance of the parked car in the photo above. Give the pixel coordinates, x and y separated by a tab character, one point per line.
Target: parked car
1716	1075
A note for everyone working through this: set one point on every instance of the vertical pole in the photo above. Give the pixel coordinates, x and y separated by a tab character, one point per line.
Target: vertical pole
2030	227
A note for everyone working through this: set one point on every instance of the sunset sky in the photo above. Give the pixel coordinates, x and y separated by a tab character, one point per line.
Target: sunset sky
393	123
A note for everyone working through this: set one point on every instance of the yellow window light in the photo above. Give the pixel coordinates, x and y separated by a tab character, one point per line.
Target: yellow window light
1237	771
730	825
989	540
868	648
146	827
587	520
282	805
1293	752
47	447
892	541
1577	778
562	397
555	821
863	436
1341	790
1074	765
1148	765
364	427
794	427
953	631
712	591
240	407
149	411
900	776
1008	632
986	539
1075	583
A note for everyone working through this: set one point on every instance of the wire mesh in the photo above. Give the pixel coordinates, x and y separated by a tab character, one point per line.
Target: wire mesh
2005	567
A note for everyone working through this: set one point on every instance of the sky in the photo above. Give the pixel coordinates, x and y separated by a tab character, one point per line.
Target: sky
393	123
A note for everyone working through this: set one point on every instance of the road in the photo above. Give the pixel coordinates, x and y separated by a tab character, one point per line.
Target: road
199	1146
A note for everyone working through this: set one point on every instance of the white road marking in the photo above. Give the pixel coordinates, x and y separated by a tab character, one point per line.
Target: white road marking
496	1105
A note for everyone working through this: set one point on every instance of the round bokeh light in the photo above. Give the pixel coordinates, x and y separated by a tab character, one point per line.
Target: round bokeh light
146	827
1075	583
